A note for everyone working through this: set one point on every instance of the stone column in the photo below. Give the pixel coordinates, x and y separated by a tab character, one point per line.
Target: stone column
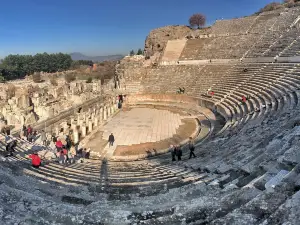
112	109
79	121
101	115
83	130
90	125
95	121
76	136
105	113
56	129
108	111
74	126
78	116
87	118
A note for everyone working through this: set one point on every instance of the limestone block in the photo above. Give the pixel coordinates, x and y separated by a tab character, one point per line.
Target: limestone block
30	118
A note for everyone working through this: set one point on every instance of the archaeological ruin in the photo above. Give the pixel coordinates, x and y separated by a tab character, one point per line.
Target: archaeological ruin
233	88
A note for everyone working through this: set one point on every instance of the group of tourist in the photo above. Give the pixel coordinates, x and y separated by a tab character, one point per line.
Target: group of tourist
181	90
176	150
64	149
120	100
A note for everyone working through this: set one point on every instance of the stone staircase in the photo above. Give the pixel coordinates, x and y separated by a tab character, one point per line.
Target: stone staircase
173	50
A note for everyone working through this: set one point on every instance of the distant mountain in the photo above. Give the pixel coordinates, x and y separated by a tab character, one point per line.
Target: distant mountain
80	56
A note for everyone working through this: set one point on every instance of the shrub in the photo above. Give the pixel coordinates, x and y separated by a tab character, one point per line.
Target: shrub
33	89
198	20
36	77
89	80
2	79
69	77
11	91
53	81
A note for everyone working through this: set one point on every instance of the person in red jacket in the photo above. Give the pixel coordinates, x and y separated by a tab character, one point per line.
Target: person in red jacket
59	145
244	99
35	160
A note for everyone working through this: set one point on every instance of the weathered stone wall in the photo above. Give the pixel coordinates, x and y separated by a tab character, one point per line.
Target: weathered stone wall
158	38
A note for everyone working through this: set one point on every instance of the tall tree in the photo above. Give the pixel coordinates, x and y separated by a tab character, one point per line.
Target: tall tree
139	52
131	53
17	66
198	20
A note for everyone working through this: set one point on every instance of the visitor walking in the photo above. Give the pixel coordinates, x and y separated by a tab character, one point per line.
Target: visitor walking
178	152
43	137
10	147
30	137
24	132
35	160
192	148
111	139
59	145
29	130
173	154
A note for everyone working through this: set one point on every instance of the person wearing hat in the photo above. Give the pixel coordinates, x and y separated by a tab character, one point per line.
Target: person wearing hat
35	160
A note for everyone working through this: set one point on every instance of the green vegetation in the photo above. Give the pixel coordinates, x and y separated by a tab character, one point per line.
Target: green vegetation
53	81
89	80
131	53
69	77
140	52
77	63
18	66
36	77
11	90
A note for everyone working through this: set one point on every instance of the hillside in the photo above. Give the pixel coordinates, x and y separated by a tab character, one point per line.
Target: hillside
80	56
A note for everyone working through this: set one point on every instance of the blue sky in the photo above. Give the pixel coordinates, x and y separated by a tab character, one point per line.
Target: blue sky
97	27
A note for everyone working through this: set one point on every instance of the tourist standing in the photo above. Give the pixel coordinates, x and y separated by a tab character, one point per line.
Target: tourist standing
43	137
29	130
173	154
191	147
111	139
10	147
178	152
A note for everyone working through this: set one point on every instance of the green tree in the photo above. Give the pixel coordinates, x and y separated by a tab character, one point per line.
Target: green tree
139	52
18	66
131	53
